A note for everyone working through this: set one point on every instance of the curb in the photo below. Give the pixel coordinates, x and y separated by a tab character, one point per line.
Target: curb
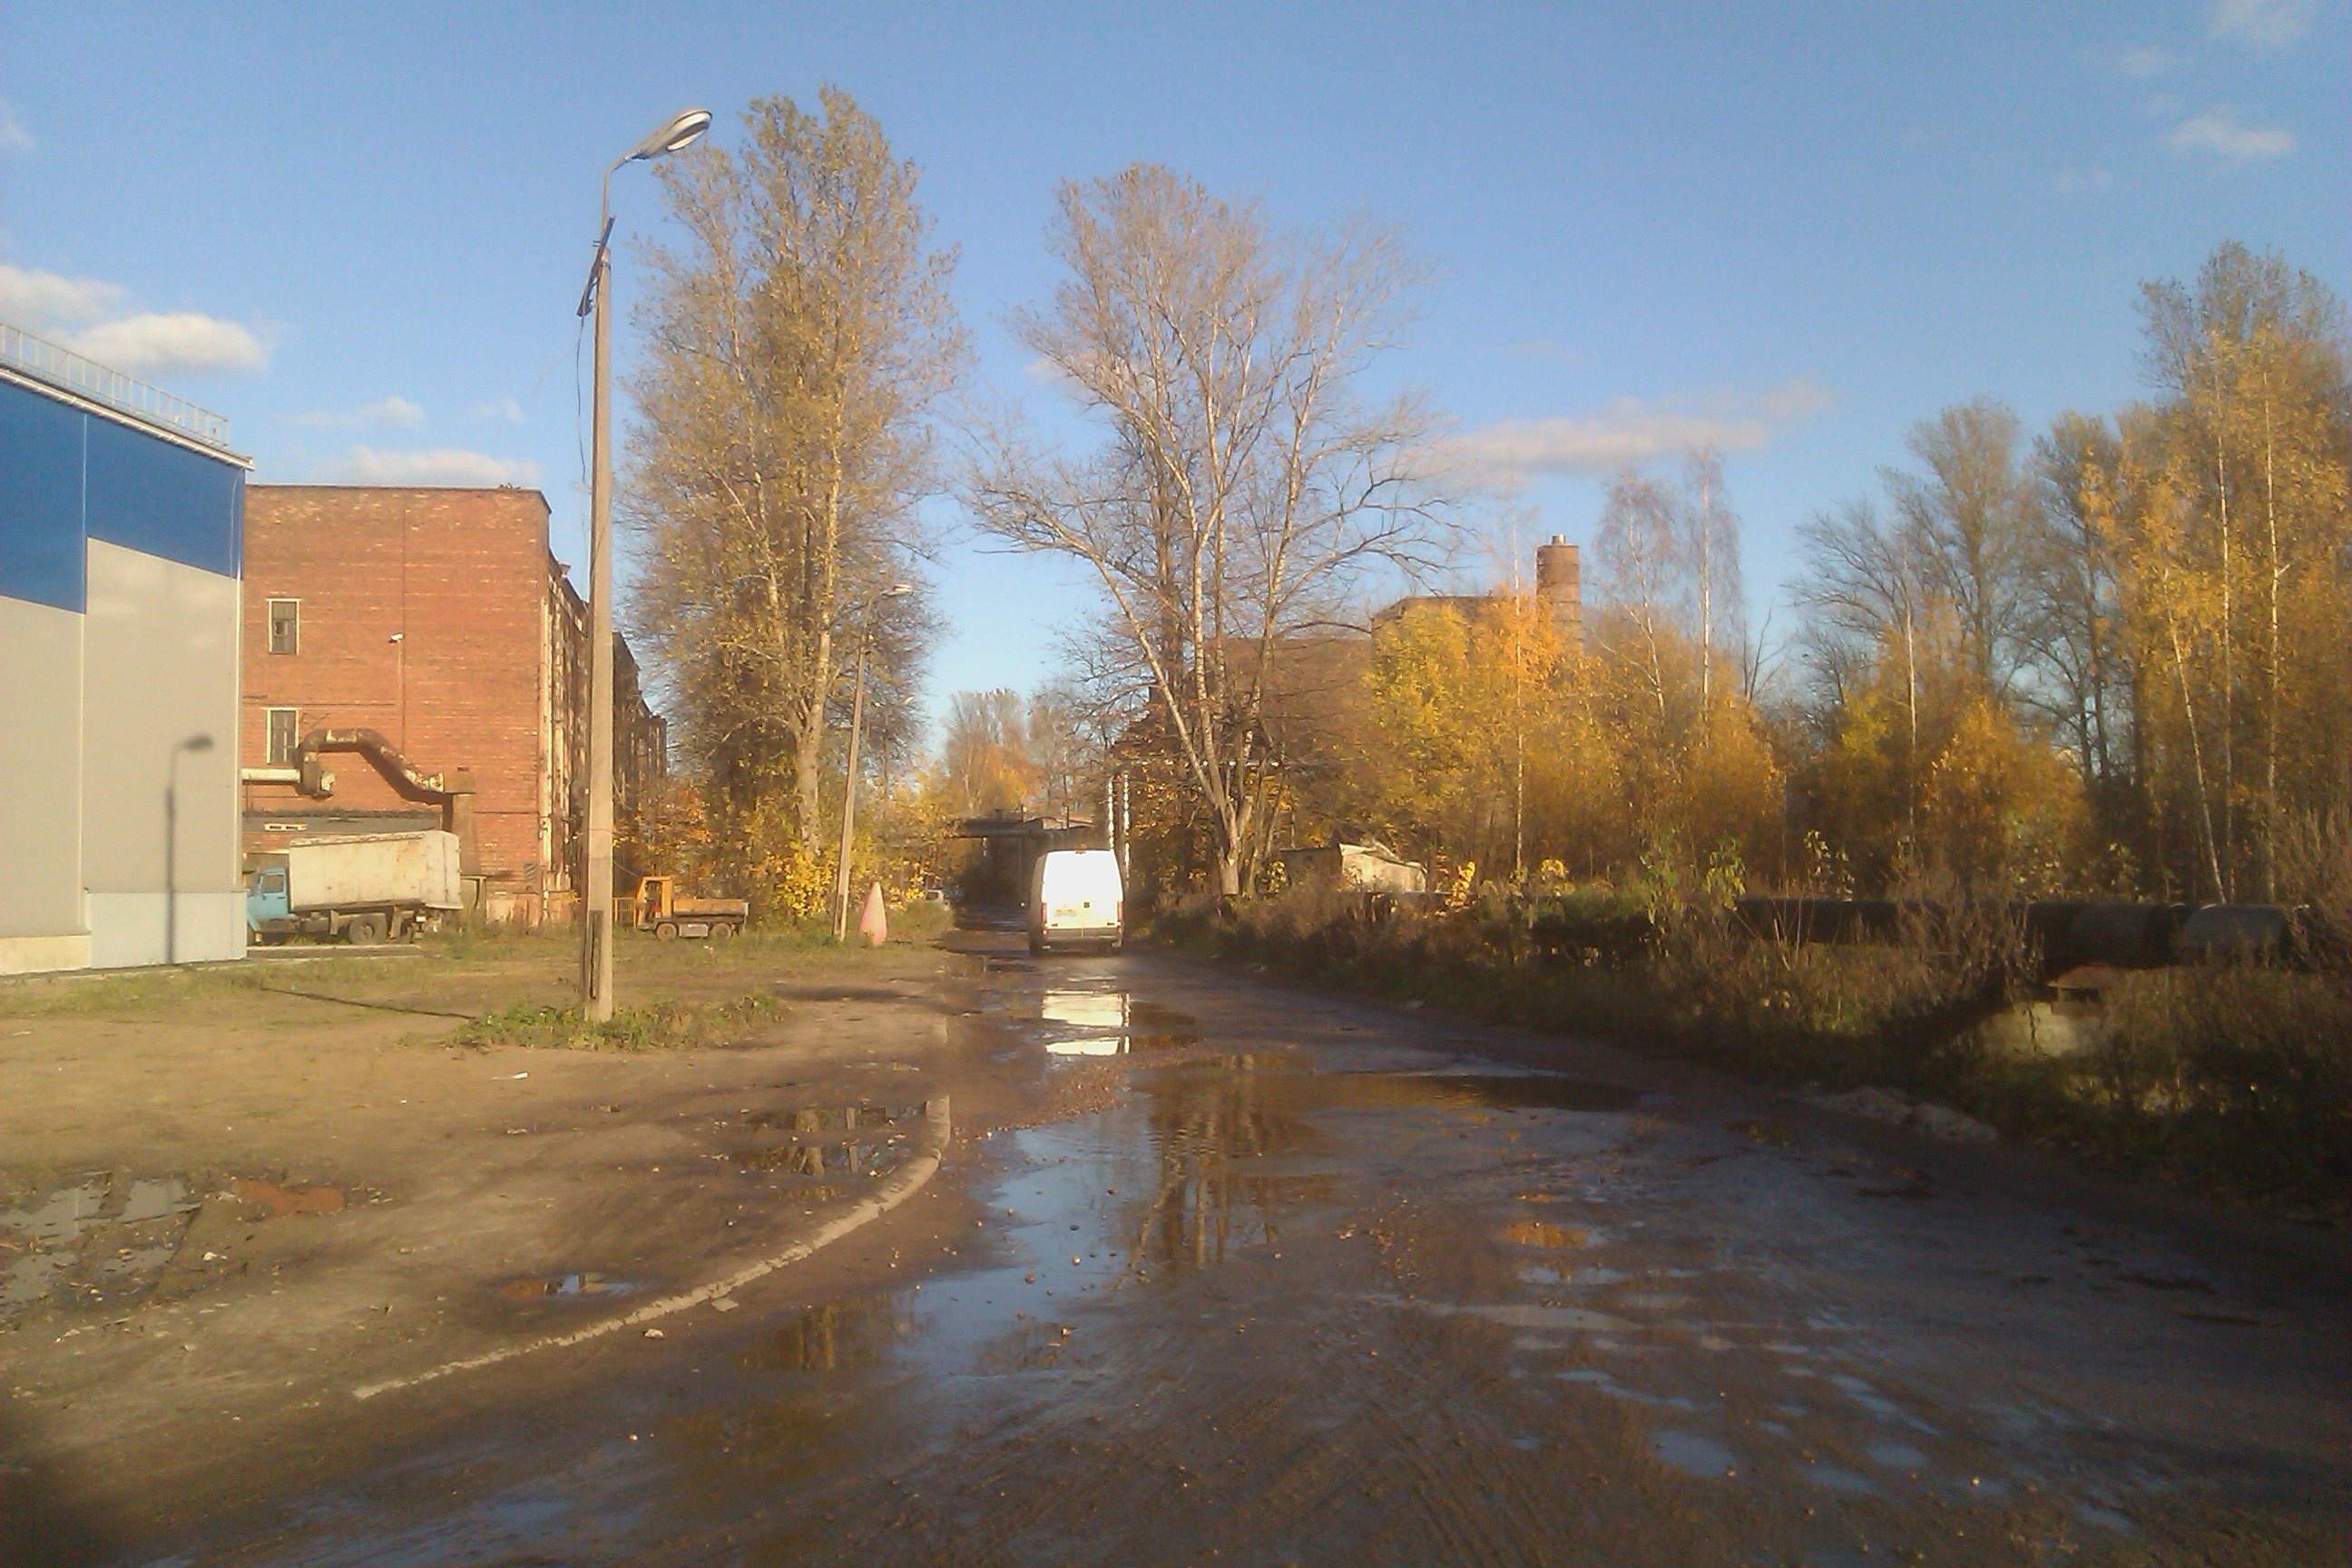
901	1186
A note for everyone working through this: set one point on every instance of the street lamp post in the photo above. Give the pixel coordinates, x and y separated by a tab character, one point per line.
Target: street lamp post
596	875
849	774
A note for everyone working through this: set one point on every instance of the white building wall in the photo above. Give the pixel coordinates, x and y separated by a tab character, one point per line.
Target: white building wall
42	925
159	761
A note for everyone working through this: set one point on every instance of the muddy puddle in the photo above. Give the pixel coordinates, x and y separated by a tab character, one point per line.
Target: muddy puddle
567	1287
816	992
821	1158
832	1336
1282	1079
859	1140
813	1118
1202	1161
1088	1023
102	1239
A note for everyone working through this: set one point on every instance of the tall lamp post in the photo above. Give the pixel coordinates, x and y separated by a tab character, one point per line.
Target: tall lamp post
849	774
597	877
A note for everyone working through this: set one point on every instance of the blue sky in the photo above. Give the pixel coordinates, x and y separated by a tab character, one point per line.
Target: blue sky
1794	230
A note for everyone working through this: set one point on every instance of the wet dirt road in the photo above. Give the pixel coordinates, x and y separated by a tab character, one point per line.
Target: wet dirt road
1322	1283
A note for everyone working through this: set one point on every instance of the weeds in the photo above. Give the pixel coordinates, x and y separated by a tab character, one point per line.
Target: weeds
2234	1078
665	1024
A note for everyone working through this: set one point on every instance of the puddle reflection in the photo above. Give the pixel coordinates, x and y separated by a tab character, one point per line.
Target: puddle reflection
567	1287
824	1139
821	1158
833	1336
832	1118
1078	1022
1203	1162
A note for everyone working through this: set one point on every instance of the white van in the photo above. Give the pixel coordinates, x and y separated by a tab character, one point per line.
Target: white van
1075	900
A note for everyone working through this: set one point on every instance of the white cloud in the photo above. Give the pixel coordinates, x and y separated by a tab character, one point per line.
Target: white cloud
14	137
2218	133
1798	397
1632	430
181	342
2259	24
38	301
503	408
85	314
391	413
2072	181
434	466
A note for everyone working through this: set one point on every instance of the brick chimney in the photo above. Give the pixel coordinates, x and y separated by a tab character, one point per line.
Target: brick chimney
1556	586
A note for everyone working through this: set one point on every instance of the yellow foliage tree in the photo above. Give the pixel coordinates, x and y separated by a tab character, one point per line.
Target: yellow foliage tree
2002	811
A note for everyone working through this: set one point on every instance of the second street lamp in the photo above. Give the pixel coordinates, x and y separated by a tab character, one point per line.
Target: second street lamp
596	870
849	772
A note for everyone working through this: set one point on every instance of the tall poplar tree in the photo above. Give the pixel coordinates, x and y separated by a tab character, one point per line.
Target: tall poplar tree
796	334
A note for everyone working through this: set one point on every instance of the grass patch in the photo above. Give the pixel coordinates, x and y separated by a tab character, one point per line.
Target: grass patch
665	1024
73	995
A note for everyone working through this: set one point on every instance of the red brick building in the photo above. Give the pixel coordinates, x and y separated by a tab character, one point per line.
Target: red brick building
438	618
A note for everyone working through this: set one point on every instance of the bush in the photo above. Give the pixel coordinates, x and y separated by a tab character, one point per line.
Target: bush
2238	1072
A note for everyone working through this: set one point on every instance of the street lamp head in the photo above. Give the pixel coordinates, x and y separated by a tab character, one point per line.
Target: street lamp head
683	130
897	591
196	744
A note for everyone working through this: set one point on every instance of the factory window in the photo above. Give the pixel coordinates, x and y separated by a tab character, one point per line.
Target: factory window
285	623
285	732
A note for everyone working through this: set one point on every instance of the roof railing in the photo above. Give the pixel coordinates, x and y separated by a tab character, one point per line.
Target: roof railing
45	360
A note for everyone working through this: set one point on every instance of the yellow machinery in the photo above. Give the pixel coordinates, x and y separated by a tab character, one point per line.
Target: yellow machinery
659	910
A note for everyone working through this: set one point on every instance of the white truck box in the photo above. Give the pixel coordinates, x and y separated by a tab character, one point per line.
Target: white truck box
418	869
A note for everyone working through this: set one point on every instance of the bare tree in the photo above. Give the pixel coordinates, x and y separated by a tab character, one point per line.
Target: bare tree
2071	632
1870	586
1971	516
1246	476
794	339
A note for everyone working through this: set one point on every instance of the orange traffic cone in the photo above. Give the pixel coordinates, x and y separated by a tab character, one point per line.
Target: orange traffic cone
873	925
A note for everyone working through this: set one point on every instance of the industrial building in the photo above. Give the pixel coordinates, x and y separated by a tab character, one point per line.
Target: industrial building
438	619
121	522
1559	590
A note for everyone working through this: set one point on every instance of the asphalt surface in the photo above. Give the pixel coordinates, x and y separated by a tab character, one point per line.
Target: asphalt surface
1320	1282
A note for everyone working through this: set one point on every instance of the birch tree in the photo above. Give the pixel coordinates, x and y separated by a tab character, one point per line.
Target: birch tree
1240	475
2239	550
1641	551
1711	547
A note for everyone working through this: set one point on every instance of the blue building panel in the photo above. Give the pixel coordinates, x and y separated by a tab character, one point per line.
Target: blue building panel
163	500
41	465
